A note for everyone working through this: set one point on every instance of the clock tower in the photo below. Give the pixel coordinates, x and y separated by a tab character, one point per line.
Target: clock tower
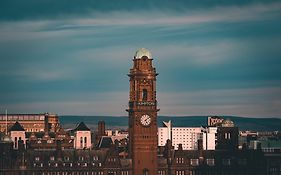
143	114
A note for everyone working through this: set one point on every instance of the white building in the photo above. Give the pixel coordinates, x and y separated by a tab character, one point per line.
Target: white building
17	133
209	138
187	136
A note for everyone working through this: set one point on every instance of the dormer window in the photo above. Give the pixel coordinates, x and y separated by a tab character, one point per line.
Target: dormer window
66	158
210	162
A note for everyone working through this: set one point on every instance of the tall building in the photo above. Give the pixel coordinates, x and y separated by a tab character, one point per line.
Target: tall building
143	114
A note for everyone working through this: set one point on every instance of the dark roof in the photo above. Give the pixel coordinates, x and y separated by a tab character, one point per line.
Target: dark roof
16	127
82	127
105	142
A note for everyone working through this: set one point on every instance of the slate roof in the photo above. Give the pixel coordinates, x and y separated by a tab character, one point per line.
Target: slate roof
16	127
82	127
105	142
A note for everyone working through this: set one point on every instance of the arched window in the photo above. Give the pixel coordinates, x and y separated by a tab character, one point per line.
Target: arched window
85	141
145	172
81	142
16	142
144	95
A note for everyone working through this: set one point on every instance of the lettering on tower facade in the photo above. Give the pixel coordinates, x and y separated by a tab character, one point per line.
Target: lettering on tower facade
143	114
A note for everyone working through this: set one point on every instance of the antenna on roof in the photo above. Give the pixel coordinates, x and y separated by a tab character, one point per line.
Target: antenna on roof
6	122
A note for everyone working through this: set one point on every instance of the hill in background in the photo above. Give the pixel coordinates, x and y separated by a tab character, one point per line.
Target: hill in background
121	122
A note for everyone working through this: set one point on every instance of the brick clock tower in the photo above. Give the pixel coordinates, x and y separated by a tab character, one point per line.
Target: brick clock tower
143	114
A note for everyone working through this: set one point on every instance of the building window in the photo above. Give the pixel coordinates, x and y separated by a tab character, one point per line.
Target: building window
180	160
52	158
227	135
16	142
81	158
95	158
145	172
194	162
111	160
81	142
125	173
210	162
179	172
37	158
160	172
85	141
226	162
49	141
66	158
111	173
144	95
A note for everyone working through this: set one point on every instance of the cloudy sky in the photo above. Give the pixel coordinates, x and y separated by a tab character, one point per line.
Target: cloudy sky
72	57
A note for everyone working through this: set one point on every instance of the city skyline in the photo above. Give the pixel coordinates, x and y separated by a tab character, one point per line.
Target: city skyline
213	58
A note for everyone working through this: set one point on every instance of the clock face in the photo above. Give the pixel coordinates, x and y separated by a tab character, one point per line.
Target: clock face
145	120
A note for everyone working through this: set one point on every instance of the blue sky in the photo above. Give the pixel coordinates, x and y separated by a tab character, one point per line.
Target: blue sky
71	57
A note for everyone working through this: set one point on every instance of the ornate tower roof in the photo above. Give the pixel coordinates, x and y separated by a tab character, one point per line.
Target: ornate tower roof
143	52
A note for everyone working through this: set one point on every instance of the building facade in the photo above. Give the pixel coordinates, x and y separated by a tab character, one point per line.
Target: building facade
30	122
187	136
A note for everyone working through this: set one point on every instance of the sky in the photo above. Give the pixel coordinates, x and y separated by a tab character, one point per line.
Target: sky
72	57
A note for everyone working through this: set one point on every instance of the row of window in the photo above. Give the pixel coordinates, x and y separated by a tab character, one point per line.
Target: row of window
124	172
26	117
211	162
66	158
67	164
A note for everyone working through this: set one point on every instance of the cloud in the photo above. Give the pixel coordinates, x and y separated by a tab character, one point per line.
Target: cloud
259	102
252	12
77	62
109	103
38	10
